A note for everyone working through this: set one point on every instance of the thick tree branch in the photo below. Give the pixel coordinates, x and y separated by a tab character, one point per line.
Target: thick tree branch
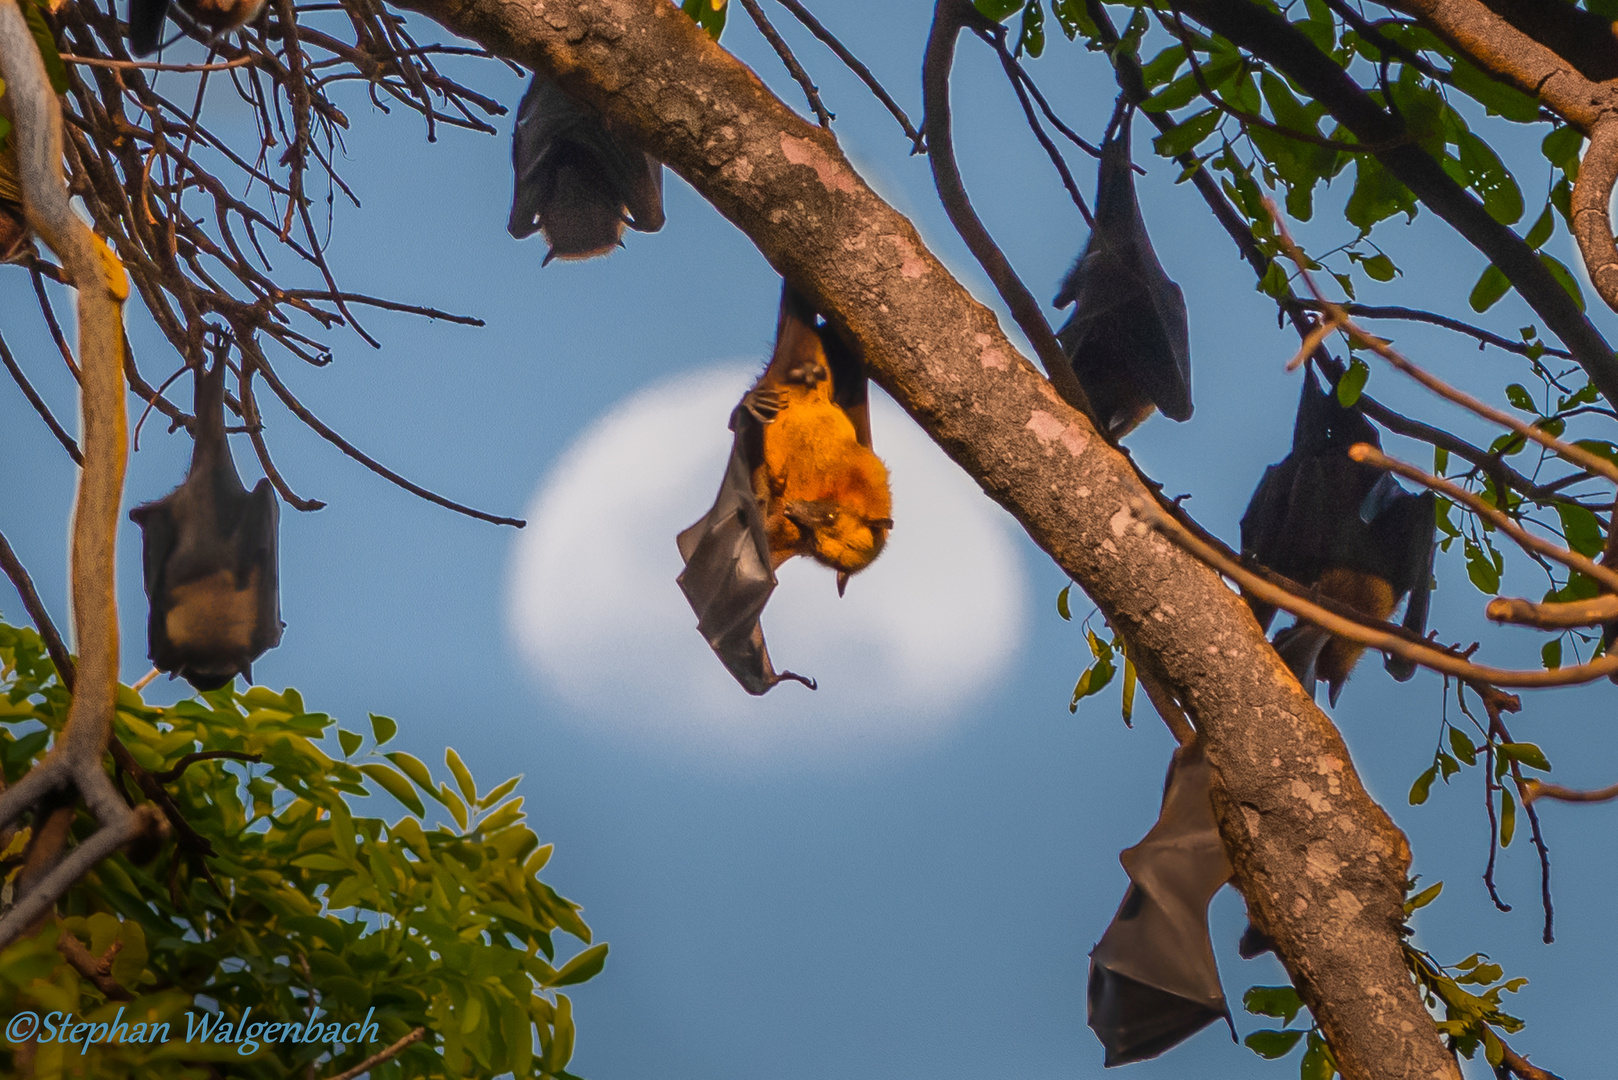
75	758
1322	866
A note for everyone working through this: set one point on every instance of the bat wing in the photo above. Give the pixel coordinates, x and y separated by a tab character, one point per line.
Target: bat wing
146	25
1263	526
1126	310
574	180
850	385
727	577
1406	534
261	538
1153	980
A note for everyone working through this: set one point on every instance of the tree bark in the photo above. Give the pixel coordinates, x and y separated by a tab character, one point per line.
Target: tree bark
1322	866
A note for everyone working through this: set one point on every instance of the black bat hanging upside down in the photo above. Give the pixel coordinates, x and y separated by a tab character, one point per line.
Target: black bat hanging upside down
1127	337
210	559
1153	980
574	180
801	480
1346	529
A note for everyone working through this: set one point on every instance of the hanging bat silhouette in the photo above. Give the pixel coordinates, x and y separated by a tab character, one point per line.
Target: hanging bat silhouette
1127	337
1344	528
1153	980
219	16
212	575
574	181
801	480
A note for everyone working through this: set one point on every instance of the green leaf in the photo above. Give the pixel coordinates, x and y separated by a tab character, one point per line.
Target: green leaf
1317	1063
1129	690
1061	604
1565	276
1525	753
1031	39
1352	382
1281	1002
1582	529
412	767
586	965
1551	654
1487	175
1272	1044
463	775
1423	785
1094	679
382	728
1508	818
1187	135
998	9
1561	148
1482	571
1489	289
394	785
1519	397
498	793
55	70
1379	268
708	14
1462	746
1423	898
1542	228
349	740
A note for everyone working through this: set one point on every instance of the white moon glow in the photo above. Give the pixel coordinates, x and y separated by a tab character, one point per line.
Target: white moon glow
595	610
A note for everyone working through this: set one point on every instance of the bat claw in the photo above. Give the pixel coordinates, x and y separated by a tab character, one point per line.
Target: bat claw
842	581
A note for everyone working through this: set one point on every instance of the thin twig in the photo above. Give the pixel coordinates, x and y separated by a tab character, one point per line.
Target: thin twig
863	73
415	1036
795	69
146	65
39	405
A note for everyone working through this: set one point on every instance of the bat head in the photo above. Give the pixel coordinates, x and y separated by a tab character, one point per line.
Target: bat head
838	537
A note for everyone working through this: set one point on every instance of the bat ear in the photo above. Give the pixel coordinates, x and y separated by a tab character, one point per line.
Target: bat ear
882	523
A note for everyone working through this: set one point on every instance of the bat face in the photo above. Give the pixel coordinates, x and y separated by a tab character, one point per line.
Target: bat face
1153	980
210	560
801	480
1128	337
1344	528
574	181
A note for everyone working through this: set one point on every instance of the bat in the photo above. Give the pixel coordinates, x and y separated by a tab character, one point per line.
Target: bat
574	181
1344	528
1153	980
1127	338
801	480
209	554
219	16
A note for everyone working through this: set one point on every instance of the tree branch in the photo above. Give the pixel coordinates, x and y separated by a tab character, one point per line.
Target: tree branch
658	79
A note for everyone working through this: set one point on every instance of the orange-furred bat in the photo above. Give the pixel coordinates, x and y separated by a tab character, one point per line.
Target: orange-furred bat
219	16
574	180
1127	338
212	574
1153	980
1346	529
801	480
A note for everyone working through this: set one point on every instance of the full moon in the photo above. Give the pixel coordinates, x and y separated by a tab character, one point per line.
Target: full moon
900	660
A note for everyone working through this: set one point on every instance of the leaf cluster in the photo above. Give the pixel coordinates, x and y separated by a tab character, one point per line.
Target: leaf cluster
294	903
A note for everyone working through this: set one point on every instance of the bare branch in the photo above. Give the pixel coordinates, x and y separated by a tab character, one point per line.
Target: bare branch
388	1054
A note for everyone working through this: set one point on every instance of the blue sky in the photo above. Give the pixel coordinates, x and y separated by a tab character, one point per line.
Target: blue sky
915	906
